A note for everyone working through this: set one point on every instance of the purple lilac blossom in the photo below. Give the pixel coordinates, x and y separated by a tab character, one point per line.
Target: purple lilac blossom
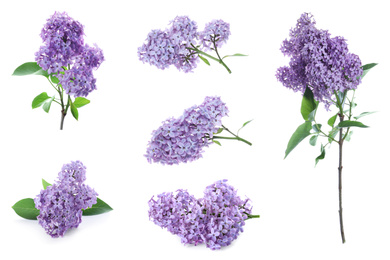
318	61
61	204
217	31
215	220
164	48
183	139
64	47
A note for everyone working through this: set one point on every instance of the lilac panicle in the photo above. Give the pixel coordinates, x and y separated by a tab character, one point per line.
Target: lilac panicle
216	32
65	55
183	139
169	47
318	61
61	204
216	219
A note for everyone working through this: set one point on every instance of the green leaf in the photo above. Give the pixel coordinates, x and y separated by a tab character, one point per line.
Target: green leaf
45	184
309	105
301	133
74	110
54	79
332	120
321	156
218	143
26	209
348	137
364	114
39	100
219	131
237	54
30	68
204	59
367	68
332	134
247	122
47	104
348	123
80	102
313	140
99	208
317	127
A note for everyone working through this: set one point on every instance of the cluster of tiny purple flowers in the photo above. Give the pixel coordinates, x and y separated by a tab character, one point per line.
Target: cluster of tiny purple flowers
183	139
61	204
215	34
216	219
318	61
174	46
65	56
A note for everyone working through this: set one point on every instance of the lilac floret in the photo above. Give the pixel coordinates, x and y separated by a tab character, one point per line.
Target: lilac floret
183	139
61	204
318	61
216	219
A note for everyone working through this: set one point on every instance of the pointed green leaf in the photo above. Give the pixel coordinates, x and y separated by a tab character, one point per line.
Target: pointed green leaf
39	100
247	122
54	79
74	111
26	209
219	131
80	102
308	105
348	137
45	184
332	120
317	127
364	114
218	143
30	68
204	59
332	134
301	133
366	68
99	208
237	54
348	123
313	140
321	156
47	104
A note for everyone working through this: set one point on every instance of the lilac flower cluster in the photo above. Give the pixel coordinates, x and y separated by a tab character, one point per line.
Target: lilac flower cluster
183	139
216	219
216	32
318	61
61	204
171	46
64	47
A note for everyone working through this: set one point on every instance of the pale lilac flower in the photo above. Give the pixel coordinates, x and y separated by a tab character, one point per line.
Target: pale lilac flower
183	139
61	204
65	56
216	219
318	61
216	32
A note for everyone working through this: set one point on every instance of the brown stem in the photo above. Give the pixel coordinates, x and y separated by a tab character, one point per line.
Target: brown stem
340	179
63	114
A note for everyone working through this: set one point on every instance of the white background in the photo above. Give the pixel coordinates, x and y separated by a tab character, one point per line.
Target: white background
298	203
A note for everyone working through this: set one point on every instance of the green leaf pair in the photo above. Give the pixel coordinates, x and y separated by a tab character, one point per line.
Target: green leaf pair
43	99
25	208
308	110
